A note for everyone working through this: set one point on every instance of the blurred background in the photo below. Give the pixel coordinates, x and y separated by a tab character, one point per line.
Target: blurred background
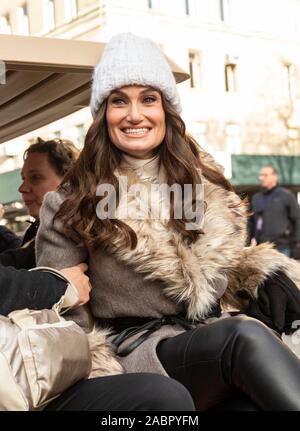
242	102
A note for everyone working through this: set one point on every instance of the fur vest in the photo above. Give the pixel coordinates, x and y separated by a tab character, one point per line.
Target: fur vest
193	276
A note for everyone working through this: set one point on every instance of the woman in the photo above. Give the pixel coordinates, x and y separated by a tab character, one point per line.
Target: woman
45	164
157	281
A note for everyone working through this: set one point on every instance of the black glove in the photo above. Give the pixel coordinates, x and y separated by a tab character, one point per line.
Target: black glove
277	303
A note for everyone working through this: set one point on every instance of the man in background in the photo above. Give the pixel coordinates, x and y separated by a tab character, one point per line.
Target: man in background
275	215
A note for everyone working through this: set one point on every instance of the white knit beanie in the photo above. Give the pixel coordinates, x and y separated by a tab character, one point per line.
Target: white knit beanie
132	60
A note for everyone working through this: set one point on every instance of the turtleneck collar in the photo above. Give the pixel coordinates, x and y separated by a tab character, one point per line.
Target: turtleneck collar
146	169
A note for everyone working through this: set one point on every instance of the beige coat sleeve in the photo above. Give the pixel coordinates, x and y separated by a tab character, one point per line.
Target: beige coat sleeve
53	248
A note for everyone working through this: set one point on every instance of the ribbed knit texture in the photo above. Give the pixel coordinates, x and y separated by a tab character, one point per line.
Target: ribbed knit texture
132	60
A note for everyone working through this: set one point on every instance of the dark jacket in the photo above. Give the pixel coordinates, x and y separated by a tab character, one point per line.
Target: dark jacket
23	289
23	257
276	217
8	239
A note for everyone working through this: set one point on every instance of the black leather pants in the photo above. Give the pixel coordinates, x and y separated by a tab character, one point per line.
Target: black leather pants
234	356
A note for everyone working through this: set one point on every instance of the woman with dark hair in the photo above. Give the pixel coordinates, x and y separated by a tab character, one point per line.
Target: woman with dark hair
163	234
45	165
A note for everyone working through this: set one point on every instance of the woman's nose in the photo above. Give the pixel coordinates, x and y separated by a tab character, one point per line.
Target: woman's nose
134	114
24	188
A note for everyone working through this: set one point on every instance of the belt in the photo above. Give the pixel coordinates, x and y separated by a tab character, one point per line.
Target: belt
130	326
149	327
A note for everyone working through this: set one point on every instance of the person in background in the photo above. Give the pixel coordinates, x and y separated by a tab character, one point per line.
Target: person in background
276	215
45	164
8	239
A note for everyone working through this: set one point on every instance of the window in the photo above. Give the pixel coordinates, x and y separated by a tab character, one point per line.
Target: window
231	74
195	69
48	15
22	20
290	73
5	26
230	78
187	7
225	10
70	9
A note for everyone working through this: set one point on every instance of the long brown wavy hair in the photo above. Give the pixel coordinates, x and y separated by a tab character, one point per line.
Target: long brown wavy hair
179	154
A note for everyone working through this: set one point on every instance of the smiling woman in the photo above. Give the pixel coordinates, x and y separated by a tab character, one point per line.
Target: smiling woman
136	120
156	282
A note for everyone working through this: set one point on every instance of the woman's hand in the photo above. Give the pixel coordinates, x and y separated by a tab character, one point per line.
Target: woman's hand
277	303
81	282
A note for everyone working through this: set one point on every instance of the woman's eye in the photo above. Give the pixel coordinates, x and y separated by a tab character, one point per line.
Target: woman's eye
118	101
35	178
150	99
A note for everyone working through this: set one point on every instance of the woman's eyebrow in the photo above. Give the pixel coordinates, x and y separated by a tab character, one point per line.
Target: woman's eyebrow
118	93
121	93
150	89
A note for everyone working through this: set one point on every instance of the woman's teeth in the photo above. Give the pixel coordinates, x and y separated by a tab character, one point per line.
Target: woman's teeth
136	131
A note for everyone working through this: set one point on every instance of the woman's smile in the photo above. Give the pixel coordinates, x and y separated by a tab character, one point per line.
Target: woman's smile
136	132
136	120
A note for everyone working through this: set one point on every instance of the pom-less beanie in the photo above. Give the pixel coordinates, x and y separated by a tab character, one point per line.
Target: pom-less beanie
132	60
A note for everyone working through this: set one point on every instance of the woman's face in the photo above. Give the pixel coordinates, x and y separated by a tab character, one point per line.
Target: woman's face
136	120
38	178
